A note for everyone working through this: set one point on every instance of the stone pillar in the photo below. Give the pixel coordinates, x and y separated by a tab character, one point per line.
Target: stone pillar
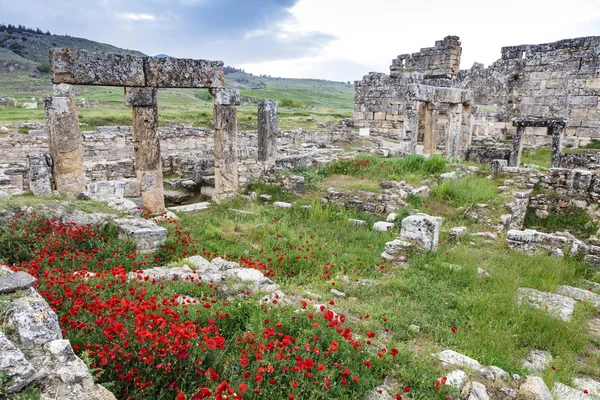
556	130
65	141
466	131
268	128
226	165
454	130
146	146
429	124
517	147
411	127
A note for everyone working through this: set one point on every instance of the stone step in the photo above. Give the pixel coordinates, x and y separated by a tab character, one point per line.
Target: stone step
579	294
557	305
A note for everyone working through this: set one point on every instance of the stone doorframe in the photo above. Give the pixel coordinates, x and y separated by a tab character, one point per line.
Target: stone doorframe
555	128
459	130
140	77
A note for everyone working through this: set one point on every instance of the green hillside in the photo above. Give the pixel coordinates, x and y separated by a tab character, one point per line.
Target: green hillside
24	74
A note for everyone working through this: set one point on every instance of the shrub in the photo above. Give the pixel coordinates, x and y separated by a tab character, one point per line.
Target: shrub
594	144
43	68
291	103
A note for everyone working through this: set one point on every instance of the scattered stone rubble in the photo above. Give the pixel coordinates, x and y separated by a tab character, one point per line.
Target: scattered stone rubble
232	279
34	353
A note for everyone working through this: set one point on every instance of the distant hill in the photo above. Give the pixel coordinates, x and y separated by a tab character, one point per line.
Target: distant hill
27	46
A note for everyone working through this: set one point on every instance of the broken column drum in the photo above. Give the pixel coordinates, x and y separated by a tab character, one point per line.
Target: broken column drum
141	76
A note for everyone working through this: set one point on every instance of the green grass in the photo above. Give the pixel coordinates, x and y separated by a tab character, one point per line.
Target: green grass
540	156
491	327
374	168
466	191
572	219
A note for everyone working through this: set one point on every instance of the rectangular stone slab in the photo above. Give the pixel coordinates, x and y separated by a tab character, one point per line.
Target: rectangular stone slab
80	67
183	73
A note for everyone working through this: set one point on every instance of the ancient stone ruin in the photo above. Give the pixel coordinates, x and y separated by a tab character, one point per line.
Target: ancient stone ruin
428	105
140	76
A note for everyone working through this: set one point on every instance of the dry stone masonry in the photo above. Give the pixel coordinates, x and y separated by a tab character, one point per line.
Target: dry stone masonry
431	106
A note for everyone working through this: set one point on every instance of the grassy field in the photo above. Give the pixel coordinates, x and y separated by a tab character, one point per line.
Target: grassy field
106	104
400	315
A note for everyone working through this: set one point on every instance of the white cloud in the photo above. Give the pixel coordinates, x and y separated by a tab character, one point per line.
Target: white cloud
136	17
373	33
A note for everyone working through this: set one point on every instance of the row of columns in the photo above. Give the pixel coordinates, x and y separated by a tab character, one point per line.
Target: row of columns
66	142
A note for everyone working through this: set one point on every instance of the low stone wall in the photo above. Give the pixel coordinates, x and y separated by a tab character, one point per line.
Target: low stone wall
484	155
112	143
590	160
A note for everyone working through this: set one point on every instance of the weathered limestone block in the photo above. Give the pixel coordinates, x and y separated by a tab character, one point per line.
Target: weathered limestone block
183	73
535	388
227	97
11	282
556	305
579	294
33	319
80	67
40	174
65	141
148	166
140	96
226	165
147	235
537	361
564	392
451	357
383	226
14	363
498	166
268	128
423	229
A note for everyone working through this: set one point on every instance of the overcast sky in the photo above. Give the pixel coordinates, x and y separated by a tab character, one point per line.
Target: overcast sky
330	39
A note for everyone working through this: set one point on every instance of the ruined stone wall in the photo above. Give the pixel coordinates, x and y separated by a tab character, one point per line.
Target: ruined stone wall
379	102
553	80
112	143
440	61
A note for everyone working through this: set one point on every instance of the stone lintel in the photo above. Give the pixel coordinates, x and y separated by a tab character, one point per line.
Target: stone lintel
140	96
183	73
539	122
80	67
226	97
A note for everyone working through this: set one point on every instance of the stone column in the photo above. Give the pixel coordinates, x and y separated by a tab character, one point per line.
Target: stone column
65	141
556	130
429	124
411	127
268	127
454	130
517	147
146	146
40	172
466	131
226	165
